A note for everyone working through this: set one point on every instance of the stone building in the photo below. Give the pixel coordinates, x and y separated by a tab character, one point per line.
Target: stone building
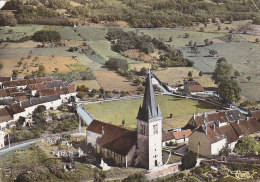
142	148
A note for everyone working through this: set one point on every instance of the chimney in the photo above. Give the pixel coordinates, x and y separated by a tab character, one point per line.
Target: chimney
20	103
214	126
194	116
238	121
103	131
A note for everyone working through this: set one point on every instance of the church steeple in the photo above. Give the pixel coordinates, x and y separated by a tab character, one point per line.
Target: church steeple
149	111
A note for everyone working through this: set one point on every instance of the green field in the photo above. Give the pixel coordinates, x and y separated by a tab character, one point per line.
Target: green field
17	32
115	112
178	36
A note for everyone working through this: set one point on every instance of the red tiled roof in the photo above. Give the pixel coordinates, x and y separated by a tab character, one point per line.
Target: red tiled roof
7	92
4	115
37	86
194	86
58	91
233	130
220	116
14	109
256	114
176	135
4	79
115	138
25	82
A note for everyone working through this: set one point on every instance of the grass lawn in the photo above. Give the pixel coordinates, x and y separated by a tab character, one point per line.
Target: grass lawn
115	112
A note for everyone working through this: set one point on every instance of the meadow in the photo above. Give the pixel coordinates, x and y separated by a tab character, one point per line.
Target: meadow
116	112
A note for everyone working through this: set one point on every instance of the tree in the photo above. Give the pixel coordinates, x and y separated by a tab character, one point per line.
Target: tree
257	40
236	73
200	73
123	122
117	64
219	28
206	41
223	71
212	52
190	43
15	73
46	36
40	109
138	177
186	35
229	90
190	74
196	51
247	145
189	160
170	39
99	176
1	66
248	78
225	151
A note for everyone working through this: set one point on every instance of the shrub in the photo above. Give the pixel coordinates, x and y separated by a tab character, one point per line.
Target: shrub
46	36
117	64
189	160
66	125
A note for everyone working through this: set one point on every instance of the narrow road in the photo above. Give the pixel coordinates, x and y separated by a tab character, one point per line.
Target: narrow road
26	143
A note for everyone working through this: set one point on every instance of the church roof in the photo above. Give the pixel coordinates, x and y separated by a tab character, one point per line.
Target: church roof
149	111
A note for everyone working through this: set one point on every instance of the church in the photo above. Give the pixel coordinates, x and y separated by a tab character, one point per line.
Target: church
141	148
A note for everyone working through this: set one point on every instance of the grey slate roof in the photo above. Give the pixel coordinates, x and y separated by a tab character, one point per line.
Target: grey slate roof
149	111
7	102
39	100
56	84
234	115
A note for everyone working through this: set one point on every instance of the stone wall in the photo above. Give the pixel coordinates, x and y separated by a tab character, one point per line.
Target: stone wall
163	172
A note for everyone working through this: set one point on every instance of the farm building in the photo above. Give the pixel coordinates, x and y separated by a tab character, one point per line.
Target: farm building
193	87
210	137
175	137
142	148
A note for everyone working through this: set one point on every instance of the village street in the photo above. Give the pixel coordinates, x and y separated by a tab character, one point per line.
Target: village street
26	143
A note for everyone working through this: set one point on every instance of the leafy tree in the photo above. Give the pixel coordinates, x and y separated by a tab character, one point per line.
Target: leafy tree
189	160
186	35
170	39
223	71
225	151
219	28
123	122
212	52
40	109
229	90
99	176
117	64
143	71
247	145
46	36
190	74
15	73
200	73
248	78
236	73
206	41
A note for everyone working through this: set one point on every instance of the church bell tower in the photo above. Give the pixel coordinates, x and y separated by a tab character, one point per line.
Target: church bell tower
149	129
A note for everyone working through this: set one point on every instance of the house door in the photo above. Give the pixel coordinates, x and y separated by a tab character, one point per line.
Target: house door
156	163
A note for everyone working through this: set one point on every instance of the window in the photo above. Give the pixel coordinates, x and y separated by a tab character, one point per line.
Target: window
155	129
143	129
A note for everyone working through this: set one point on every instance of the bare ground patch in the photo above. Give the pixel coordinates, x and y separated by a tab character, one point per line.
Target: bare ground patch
139	55
110	80
32	64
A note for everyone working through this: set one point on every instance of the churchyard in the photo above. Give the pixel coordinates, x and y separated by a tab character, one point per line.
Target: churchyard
181	110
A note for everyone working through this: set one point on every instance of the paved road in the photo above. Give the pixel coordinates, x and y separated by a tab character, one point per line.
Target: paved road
24	144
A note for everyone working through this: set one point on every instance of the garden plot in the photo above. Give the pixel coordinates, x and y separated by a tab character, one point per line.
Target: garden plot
175	76
244	56
110	80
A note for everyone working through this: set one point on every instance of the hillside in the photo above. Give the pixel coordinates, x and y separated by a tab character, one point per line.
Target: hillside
144	13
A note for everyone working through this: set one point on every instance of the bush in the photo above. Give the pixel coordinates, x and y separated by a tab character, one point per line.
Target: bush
117	64
189	160
66	125
138	177
46	36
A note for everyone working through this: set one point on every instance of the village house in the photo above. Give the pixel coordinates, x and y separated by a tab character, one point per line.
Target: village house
16	111
34	88
222	117
5	118
6	102
210	137
193	87
6	93
4	79
56	84
169	138
22	84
